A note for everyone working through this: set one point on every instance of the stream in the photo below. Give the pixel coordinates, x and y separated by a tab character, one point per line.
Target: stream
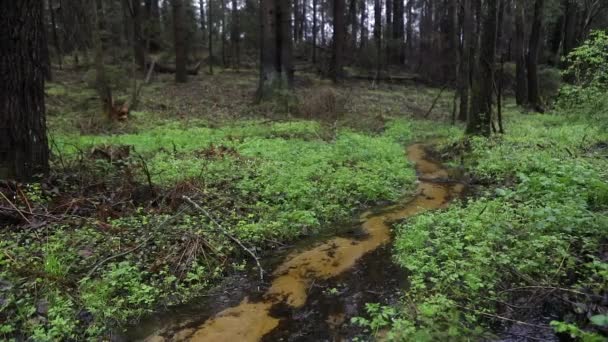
318	286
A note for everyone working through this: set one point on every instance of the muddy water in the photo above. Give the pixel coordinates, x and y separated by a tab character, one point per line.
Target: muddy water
292	281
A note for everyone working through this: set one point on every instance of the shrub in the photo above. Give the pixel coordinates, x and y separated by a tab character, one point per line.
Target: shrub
323	103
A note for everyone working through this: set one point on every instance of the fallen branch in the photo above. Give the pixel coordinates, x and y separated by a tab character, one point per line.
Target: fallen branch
165	69
435	102
225	232
15	208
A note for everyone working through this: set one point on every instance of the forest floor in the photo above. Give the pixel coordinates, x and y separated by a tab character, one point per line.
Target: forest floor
112	235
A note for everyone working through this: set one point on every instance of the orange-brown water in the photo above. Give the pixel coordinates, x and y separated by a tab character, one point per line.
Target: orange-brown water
251	321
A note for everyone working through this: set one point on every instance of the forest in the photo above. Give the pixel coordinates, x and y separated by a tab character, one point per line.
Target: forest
304	170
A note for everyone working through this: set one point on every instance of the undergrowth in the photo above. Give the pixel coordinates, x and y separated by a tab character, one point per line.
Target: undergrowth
110	237
531	242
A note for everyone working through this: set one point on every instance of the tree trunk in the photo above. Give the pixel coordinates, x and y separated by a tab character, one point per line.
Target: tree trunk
276	71
201	6
409	30
135	32
314	31
378	34
24	151
480	117
101	82
56	41
338	40
323	23
388	31
223	35
532	61
468	45
399	30
181	74
353	24
210	28
521	81
363	23
235	35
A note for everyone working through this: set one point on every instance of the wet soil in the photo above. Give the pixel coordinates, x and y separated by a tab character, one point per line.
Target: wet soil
318	287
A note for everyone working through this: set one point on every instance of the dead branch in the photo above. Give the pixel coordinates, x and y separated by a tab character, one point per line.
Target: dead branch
225	232
166	69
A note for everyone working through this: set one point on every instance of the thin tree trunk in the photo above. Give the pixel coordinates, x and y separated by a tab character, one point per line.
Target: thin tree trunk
532	61
181	74
388	31
201	6
223	35
24	151
363	23
56	41
338	40
409	30
314	31
101	82
468	44
399	30
480	118
235	35
210	28
323	23
378	35
521	81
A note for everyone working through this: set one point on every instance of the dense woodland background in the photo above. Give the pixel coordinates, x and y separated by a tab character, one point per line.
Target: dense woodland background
280	119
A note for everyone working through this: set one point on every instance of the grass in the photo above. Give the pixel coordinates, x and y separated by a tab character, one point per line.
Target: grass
537	222
112	249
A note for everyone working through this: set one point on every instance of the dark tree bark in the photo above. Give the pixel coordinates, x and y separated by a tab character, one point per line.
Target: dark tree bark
378	35
101	82
235	35
153	25
210	29
353	24
323	22
201	7
276	71
314	31
409	30
521	81
181	73
24	151
532	60
223	35
363	23
480	117
135	35
399	30
338	40
56	41
468	45
388	31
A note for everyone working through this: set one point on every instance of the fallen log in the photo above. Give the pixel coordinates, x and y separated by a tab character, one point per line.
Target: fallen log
167	69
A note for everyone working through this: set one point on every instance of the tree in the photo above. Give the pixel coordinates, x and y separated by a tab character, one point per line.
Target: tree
338	40
399	29
24	151
276	71
181	73
468	45
521	82
480	118
532	60
378	35
235	35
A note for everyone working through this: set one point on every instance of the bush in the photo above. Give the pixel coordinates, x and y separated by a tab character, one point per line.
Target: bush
587	75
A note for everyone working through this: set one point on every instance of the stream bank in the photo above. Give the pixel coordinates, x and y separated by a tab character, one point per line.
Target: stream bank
293	306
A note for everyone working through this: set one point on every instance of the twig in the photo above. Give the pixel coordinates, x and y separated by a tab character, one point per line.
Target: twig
225	232
435	101
547	288
505	318
15	207
99	264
